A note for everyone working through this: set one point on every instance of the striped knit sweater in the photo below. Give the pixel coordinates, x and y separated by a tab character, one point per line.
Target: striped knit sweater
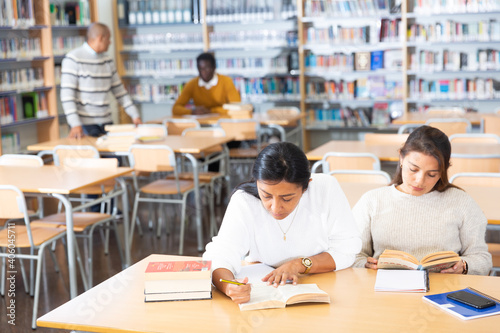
87	78
321	222
420	225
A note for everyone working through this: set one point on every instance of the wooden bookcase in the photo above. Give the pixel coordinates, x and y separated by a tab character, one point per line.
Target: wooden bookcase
403	77
33	130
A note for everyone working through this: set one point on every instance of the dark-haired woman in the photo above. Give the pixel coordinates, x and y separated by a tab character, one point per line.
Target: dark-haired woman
285	218
421	212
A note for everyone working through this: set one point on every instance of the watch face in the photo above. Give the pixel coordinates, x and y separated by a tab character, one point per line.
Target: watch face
307	262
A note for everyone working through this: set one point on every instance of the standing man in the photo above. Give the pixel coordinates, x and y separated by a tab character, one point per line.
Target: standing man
87	77
209	91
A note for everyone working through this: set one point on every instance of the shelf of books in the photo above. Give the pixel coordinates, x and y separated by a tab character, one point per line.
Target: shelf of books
356	64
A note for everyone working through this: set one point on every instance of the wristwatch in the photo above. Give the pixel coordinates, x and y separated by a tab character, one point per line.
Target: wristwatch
466	267
307	262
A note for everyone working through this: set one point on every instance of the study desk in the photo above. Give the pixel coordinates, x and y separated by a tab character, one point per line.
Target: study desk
186	145
58	181
117	305
421	118
389	152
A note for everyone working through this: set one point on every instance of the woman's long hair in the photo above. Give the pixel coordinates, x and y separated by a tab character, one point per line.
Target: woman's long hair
281	161
432	142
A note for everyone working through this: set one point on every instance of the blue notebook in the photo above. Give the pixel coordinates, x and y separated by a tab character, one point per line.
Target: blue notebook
461	310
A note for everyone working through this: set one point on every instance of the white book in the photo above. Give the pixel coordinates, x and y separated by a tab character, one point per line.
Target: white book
401	280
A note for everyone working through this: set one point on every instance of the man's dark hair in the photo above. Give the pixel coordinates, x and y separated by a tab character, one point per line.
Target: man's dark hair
206	57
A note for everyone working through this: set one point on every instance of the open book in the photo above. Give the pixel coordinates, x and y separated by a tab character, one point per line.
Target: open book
434	262
263	296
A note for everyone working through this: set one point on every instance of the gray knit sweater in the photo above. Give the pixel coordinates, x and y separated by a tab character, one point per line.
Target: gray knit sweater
87	78
436	221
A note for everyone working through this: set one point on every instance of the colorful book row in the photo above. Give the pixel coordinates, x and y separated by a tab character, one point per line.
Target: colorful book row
16	13
446	60
154	93
70	13
33	105
349	8
147	12
62	45
249	11
360	61
20	48
21	79
454	6
253	38
452	31
10	143
163	41
378	115
371	87
455	89
268	89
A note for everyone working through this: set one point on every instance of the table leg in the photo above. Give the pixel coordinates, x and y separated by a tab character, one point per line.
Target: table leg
70	234
126	236
197	200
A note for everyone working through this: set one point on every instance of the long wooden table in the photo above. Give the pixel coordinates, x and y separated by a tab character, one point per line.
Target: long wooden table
186	145
117	305
389	152
58	181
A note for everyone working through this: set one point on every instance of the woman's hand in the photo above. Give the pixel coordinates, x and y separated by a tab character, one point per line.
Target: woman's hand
239	294
288	271
458	268
371	263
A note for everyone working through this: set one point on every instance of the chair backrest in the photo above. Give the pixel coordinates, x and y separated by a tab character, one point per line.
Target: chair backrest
362	176
476	178
214	132
240	129
13	203
91	163
474	138
71	155
21	160
177	126
152	158
348	161
490	123
473	163
383	138
407	128
450	126
120	128
151	130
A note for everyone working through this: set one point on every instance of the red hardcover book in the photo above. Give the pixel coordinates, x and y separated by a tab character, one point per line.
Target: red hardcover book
177	270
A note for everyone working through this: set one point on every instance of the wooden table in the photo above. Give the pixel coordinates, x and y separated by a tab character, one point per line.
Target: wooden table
117	305
186	145
388	152
58	181
421	118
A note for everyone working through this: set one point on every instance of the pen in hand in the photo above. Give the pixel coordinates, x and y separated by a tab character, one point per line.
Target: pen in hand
233	282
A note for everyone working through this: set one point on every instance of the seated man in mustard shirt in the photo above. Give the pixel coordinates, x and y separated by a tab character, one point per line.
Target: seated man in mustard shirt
208	92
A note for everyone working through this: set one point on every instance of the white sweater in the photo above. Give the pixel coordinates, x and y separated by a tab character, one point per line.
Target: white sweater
437	221
87	78
323	223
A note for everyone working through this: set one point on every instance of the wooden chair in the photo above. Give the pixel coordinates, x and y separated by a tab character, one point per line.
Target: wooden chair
159	159
450	126
210	177
27	236
177	126
85	223
247	131
347	161
21	160
474	138
362	176
464	179
285	112
473	163
490	123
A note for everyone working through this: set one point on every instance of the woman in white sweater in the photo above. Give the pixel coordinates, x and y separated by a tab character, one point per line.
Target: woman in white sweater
421	212
285	218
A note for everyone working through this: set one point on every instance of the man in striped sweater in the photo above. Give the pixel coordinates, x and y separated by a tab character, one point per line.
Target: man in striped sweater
88	75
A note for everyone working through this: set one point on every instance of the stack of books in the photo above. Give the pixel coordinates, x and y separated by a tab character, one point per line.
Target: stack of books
177	281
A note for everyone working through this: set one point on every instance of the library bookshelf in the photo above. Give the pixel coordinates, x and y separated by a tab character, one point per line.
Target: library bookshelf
28	94
351	66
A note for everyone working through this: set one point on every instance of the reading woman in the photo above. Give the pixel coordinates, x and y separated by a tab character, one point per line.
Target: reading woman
285	218
421	212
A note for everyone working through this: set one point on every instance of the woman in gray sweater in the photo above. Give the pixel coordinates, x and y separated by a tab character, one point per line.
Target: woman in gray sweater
421	212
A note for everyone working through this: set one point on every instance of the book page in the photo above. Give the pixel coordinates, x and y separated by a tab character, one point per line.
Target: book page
400	280
254	272
438	255
263	296
303	293
438	265
399	254
396	263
